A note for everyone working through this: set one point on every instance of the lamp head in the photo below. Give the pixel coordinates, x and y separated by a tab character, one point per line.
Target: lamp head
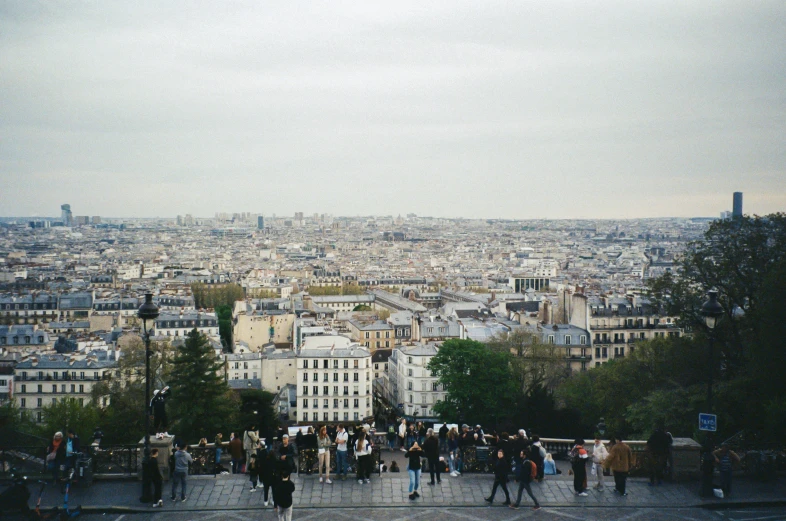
712	310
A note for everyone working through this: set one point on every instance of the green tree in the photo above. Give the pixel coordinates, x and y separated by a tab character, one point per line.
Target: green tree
479	383
256	409
534	365
214	295
201	403
68	413
224	314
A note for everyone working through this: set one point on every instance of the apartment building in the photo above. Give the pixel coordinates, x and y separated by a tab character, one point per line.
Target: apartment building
42	380
410	383
171	324
334	381
374	335
16	338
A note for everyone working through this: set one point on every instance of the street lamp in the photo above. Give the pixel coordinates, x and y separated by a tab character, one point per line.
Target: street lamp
711	311
147	312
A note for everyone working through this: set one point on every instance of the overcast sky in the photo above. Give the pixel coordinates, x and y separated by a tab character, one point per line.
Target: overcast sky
459	108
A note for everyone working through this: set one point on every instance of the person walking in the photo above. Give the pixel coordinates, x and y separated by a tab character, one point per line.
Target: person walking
431	449
619	460
524	474
453	452
578	462
266	461
402	435
250	439
599	455
414	455
341	452
501	471
182	459
56	456
323	454
154	473
363	457
282	497
725	459
236	452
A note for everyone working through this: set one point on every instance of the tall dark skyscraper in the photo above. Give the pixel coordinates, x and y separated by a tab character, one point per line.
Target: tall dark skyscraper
261	222
737	208
65	215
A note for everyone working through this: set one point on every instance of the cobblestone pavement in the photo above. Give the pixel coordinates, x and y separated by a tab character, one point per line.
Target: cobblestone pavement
463	514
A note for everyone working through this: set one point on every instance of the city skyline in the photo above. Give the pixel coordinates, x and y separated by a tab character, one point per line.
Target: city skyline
552	111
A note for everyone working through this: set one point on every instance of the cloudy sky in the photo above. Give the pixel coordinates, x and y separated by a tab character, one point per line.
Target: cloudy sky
516	109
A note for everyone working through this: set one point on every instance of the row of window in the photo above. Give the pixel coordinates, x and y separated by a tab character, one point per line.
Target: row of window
378	334
58	375
336	403
569	340
325	377
39	403
379	344
423	386
315	416
326	390
314	364
40	388
42	305
185	323
15	340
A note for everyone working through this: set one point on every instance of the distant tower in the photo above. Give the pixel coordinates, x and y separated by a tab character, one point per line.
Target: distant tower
737	208
261	222
68	219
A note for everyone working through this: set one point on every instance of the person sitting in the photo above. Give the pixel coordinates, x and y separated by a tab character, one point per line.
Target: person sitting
549	466
394	467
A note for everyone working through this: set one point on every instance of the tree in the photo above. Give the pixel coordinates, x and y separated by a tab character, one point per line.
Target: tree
201	402
534	365
69	413
224	314
123	420
256	408
214	295
479	384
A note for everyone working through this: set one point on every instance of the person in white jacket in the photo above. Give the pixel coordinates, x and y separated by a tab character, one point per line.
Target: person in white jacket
402	434
599	454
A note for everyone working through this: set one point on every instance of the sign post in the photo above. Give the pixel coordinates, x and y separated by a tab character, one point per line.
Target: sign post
708	422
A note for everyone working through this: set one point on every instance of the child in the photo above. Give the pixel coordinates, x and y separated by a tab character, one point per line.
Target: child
282	497
253	471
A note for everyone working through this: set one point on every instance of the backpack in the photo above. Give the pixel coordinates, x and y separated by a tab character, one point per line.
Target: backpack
573	455
533	470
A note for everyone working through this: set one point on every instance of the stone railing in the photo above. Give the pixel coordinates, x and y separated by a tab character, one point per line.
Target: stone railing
307	460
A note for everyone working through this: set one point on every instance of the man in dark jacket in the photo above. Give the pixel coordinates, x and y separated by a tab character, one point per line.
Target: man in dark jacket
658	447
73	448
236	452
285	456
524	473
431	449
443	438
501	471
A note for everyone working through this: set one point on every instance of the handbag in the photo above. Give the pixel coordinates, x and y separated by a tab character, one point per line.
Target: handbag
51	456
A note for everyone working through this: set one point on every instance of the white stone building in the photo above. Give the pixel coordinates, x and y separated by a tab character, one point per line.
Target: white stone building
410	382
334	380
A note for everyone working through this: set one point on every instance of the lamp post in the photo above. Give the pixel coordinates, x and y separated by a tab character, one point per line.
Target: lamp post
711	311
147	312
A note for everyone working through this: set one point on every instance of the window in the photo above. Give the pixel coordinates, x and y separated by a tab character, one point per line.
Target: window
346	403
409	385
355	377
335	364
356	364
316	416
335	389
346	416
315	390
357	416
335	377
305	390
346	390
305	403
316	377
387	343
305	364
325	416
335	403
346	364
316	403
378	334
38	402
583	339
368	335
355	403
387	335
325	377
597	352
335	416
355	389
54	387
305	377
567	340
325	364
81	388
315	364
40	388
22	402
325	391
24	388
435	386
551	339
409	372
409	359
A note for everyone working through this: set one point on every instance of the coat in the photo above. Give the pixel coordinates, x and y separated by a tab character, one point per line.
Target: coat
236	448
620	458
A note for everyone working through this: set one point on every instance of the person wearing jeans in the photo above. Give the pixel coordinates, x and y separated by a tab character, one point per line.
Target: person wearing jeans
341	452
414	454
182	459
524	476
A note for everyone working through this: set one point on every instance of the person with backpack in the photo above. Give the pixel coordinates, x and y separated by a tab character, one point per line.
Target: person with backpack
526	471
266	465
578	463
501	471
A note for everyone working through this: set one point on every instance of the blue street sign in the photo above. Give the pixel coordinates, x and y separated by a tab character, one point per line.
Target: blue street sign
708	422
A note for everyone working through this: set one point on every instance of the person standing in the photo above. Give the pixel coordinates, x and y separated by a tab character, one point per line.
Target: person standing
599	455
402	435
578	462
253	471
219	444
501	471
56	456
250	440
282	497
537	454
443	438
658	448
725	458
72	449
431	449
266	461
414	455
391	437
341	452
236	452
453	452
154	473
323	454
412	435
286	456
421	433
619	461
363	457
524	473
182	459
